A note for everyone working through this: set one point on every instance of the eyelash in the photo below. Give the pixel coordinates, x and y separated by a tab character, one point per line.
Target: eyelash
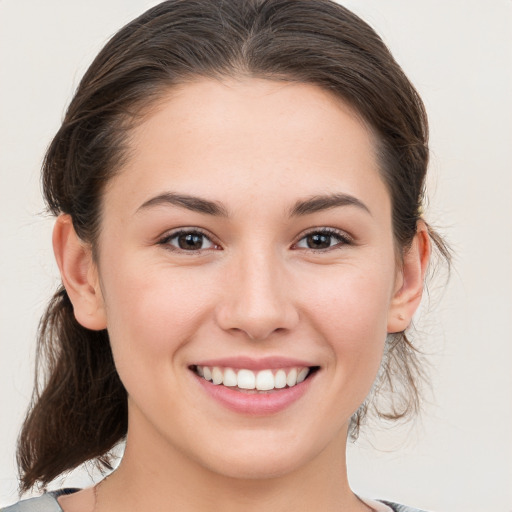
166	241
343	239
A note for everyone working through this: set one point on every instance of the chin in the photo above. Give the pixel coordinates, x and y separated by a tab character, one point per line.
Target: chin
260	457
256	468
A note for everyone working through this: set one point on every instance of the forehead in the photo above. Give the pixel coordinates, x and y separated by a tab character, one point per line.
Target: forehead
251	136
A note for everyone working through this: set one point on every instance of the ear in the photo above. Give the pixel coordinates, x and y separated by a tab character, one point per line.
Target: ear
410	280
79	275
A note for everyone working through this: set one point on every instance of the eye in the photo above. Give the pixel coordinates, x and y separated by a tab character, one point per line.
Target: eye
188	240
322	239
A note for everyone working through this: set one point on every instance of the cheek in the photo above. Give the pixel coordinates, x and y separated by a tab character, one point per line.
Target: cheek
350	312
151	313
355	304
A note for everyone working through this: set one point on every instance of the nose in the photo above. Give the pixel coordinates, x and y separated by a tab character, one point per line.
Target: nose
257	300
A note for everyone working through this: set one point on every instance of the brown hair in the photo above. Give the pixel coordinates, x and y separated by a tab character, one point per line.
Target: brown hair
79	411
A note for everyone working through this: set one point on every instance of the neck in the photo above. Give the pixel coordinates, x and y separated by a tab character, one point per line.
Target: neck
166	480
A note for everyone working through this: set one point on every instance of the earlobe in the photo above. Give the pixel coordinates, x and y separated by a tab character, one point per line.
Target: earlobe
79	274
407	296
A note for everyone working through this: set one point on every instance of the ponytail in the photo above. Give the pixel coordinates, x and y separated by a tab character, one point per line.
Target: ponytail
79	406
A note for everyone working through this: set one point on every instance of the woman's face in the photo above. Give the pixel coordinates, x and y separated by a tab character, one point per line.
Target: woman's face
249	230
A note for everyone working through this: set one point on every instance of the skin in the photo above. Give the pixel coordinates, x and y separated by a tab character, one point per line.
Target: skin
255	289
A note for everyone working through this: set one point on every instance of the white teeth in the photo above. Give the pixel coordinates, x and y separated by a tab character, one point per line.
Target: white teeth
264	380
302	375
280	379
217	375
230	377
291	378
246	379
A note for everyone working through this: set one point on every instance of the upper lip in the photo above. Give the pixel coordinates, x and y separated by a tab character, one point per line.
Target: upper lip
249	363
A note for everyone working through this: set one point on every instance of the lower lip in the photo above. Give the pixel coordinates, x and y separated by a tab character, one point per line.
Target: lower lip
255	404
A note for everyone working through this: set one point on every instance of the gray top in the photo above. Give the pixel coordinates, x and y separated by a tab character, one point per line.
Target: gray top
48	503
45	503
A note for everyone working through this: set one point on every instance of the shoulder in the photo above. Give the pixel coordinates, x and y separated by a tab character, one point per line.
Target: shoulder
45	503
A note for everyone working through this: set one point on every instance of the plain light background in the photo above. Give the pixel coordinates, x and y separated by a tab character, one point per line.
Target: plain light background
458	53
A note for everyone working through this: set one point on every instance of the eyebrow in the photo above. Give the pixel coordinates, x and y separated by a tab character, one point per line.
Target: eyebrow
325	202
302	207
193	203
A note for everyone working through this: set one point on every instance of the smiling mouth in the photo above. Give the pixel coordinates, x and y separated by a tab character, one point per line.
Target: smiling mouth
248	381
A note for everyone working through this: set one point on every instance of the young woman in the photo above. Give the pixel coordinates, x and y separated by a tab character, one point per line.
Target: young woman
238	189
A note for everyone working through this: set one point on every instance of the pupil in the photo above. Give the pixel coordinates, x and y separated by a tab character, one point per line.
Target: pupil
190	241
319	241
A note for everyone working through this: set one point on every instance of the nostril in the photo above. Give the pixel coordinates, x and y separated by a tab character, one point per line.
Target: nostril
257	313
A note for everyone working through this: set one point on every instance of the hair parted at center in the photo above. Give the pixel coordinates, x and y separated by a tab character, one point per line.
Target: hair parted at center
79	408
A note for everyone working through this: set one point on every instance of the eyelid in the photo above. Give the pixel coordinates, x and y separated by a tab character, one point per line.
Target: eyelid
343	236
168	235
